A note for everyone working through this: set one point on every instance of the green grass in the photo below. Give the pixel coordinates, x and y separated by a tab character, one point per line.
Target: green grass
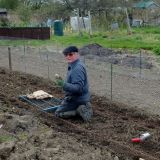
145	38
152	30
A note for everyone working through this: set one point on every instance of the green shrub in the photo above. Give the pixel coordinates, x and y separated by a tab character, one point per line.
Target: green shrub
4	22
152	30
9	4
138	38
156	50
24	13
157	37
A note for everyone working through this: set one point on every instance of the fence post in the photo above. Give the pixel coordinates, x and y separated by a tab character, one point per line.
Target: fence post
128	23
140	64
40	54
79	24
24	58
48	66
111	79
10	58
24	47
90	24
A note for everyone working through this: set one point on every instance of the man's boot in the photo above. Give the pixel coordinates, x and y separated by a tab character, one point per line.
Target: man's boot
66	114
85	111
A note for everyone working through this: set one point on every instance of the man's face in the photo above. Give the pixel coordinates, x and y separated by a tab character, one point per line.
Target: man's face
71	57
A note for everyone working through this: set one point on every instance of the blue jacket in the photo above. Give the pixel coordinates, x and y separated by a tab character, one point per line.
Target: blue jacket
76	84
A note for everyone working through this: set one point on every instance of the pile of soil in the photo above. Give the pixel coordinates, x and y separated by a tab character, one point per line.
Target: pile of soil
115	57
111	129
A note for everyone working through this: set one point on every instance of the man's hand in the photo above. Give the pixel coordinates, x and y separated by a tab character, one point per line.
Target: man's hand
59	81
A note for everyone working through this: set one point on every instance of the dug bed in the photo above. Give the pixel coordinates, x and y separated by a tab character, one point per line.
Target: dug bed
28	133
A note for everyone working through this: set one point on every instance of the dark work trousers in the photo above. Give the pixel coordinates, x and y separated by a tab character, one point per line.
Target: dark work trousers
67	109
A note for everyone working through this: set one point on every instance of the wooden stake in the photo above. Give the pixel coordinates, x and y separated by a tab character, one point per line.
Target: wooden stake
90	23
10	58
129	27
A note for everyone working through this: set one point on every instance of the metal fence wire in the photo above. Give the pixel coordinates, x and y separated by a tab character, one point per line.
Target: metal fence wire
130	82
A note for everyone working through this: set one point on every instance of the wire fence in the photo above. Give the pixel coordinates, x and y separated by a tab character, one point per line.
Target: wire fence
135	86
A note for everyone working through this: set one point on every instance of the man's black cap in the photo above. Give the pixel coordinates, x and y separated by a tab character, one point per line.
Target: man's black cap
70	49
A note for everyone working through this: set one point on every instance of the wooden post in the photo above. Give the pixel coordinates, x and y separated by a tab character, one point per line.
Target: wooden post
90	23
79	27
10	58
48	66
140	64
128	24
111	80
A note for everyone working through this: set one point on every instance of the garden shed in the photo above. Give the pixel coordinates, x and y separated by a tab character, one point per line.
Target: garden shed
3	17
3	12
148	11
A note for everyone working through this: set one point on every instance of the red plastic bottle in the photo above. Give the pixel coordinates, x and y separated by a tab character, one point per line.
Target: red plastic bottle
142	138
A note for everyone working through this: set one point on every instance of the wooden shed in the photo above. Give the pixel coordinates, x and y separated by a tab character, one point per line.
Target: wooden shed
3	12
148	11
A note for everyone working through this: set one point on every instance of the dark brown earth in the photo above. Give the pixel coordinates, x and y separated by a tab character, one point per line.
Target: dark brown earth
133	86
116	57
111	129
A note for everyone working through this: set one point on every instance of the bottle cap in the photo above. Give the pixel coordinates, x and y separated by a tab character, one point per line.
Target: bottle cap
144	136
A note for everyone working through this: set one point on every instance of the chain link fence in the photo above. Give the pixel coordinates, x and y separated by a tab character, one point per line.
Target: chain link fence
135	86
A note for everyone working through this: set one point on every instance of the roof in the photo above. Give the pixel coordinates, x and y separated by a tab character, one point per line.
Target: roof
146	4
4	10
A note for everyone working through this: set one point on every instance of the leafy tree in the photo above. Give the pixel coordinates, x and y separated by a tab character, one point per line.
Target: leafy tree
55	10
35	4
24	13
4	22
9	4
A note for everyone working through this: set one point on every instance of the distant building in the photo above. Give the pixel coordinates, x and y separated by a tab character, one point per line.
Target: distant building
3	17
147	11
147	4
3	12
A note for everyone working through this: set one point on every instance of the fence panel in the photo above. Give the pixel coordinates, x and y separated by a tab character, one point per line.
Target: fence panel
136	86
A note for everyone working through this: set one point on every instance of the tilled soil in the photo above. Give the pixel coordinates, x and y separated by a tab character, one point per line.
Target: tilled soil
116	57
28	133
131	85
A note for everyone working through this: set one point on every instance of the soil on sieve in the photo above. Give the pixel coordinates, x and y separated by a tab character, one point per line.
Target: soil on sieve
28	133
